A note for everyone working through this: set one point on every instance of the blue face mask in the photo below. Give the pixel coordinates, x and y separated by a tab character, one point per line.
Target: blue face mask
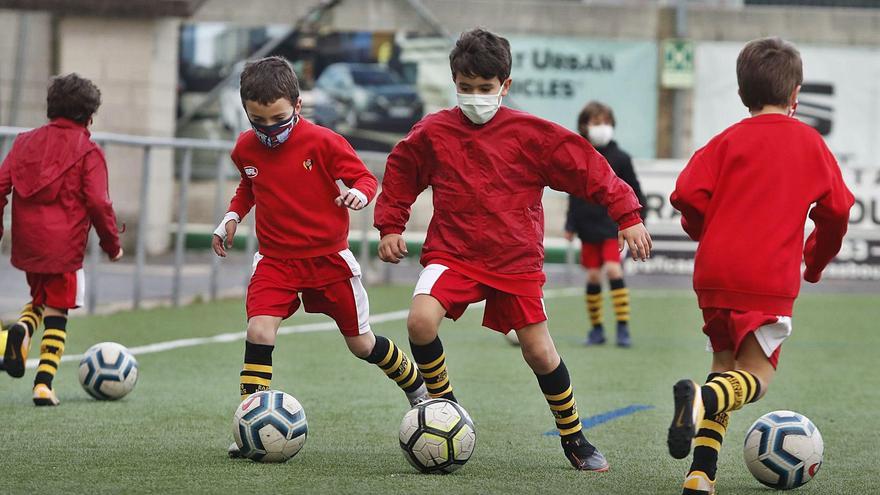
274	135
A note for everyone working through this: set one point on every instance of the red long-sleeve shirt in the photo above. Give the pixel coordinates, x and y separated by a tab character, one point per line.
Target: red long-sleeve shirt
745	198
58	180
294	187
487	183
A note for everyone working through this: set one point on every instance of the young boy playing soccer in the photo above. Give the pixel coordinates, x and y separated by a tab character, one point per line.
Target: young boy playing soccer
744	197
58	180
598	232
289	168
487	166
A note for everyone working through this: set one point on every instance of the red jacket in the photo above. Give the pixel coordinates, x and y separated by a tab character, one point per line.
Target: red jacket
487	183
293	187
745	198
58	178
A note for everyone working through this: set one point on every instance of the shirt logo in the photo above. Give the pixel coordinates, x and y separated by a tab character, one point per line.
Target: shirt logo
251	172
308	164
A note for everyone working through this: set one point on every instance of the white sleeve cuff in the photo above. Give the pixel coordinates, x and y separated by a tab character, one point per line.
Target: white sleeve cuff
359	195
220	231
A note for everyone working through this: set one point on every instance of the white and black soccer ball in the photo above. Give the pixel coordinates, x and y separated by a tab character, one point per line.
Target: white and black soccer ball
108	371
270	426
437	436
783	449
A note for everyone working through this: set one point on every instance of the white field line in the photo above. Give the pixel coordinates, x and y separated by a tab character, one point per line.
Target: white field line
323	326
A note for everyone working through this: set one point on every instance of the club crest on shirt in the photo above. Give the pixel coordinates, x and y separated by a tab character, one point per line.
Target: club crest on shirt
308	164
251	171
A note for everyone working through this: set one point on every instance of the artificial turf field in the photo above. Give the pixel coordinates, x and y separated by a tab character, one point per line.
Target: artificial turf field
170	435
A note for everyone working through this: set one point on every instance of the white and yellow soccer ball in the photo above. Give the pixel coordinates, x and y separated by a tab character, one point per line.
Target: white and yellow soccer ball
270	426
108	371
437	436
783	449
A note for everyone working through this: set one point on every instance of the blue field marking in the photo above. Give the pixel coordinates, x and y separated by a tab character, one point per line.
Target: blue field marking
605	417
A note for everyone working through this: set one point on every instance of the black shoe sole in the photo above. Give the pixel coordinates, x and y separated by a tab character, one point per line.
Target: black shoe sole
14	363
682	429
44	402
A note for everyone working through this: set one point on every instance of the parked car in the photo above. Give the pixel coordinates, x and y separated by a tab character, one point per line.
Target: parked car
369	96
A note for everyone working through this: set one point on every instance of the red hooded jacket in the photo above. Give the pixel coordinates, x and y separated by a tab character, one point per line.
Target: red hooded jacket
58	180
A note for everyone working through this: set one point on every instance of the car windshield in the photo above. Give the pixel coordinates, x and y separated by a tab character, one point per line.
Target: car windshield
372	77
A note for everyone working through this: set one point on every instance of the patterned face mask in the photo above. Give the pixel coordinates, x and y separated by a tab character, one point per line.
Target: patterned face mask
274	135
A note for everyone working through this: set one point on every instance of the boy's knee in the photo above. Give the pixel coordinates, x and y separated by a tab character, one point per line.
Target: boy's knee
422	328
541	358
261	331
594	276
361	345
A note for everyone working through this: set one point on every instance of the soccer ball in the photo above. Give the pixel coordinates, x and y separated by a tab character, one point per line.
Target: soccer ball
108	371
270	426
783	450
437	436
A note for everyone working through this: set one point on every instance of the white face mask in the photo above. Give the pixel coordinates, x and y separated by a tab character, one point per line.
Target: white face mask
600	135
480	108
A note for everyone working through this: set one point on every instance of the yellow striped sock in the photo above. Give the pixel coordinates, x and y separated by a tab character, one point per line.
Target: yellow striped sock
256	374
731	391
620	298
397	366
51	349
593	299
436	377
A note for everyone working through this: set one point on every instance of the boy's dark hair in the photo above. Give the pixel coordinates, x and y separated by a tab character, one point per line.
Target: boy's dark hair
768	70
268	79
479	53
593	109
72	97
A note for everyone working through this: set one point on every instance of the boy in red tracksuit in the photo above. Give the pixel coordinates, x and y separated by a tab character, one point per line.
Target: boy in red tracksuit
488	166
289	168
744	197
58	180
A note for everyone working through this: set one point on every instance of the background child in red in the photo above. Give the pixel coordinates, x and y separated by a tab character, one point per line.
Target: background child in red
58	180
745	197
289	167
598	232
488	166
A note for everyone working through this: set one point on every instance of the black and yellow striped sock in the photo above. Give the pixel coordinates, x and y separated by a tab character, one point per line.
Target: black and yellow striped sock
256	374
432	364
396	365
620	298
556	387
730	391
594	303
51	349
31	317
707	443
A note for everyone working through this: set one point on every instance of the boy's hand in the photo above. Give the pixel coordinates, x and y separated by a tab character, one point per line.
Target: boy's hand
638	239
569	236
392	248
224	236
812	276
118	256
353	199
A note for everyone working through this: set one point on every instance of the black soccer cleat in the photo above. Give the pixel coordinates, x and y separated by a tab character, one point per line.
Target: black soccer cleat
234	452
584	456
623	338
687	416
15	355
596	336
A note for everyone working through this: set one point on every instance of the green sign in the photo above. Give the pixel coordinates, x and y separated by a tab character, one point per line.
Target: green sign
678	64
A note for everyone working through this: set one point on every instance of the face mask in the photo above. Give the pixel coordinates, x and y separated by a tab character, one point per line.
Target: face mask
480	108
274	135
600	135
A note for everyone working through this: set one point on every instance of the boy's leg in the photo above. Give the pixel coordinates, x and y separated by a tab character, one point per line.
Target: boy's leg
423	324
393	361
18	339
620	298
540	354
51	350
593	298
256	374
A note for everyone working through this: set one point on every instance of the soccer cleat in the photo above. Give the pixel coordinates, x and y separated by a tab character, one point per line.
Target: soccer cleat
3	335
698	483
583	456
233	451
44	396
688	414
17	344
418	396
596	336
623	339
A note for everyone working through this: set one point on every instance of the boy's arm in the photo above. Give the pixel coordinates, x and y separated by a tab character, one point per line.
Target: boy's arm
830	217
693	190
241	204
348	167
5	188
98	204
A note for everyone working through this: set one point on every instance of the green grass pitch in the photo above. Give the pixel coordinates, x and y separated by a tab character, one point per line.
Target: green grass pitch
170	435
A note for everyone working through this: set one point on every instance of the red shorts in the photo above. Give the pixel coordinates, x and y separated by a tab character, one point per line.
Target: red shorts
58	290
504	312
727	328
326	284
596	254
